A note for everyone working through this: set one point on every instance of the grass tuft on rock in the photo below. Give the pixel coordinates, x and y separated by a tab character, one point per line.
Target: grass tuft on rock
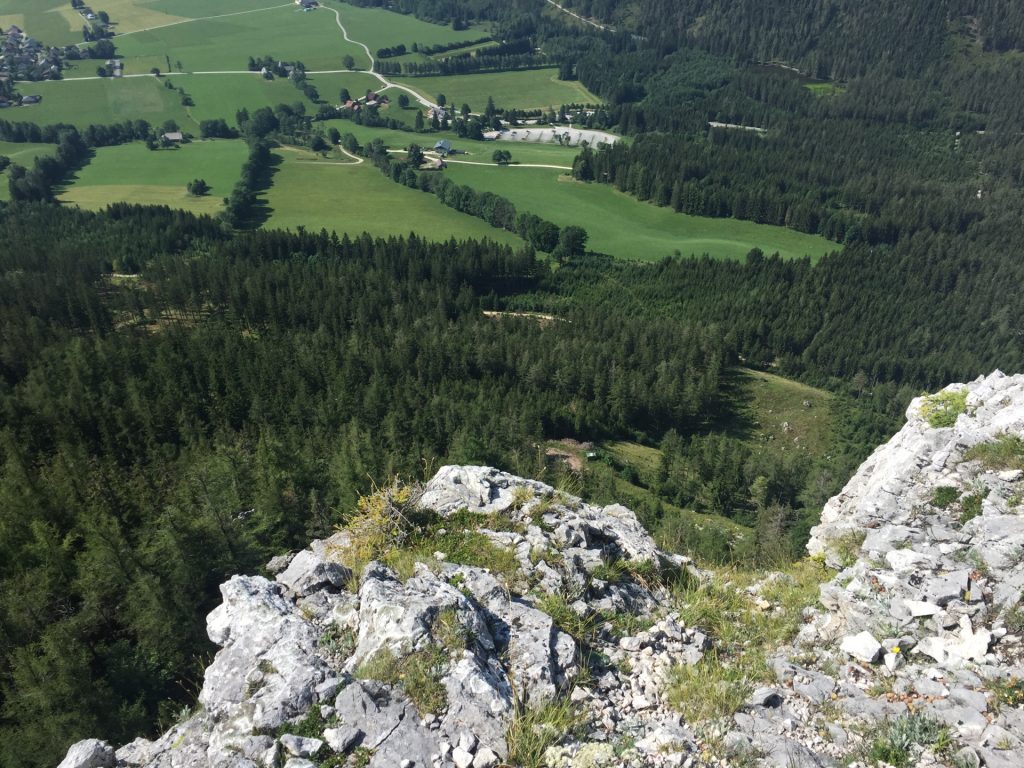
724	609
1005	452
533	730
901	740
418	674
943	408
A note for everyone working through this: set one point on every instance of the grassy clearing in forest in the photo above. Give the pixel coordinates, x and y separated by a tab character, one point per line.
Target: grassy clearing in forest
467	149
786	413
525	89
627	228
338	195
132	173
379	28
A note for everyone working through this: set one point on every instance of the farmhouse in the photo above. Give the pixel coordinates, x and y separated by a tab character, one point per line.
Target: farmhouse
31	99
444	147
176	136
307	5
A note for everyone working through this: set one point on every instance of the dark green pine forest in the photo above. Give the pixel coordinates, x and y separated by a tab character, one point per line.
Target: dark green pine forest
183	397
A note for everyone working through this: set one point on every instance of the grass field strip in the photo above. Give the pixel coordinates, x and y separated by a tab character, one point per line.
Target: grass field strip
189	21
435	156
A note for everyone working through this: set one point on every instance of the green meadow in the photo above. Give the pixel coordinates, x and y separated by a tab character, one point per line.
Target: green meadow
101	102
227	42
358	83
475	151
111	100
379	28
132	173
524	89
223	95
339	195
626	228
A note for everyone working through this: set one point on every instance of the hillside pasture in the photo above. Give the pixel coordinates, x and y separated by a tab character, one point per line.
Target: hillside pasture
100	102
783	412
626	228
225	43
134	174
339	195
522	89
379	28
221	96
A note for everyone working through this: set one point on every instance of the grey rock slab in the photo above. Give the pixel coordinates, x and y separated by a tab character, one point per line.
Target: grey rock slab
478	489
409	741
89	753
920	608
485	758
541	659
1002	758
277	564
398	617
906	560
862	646
264	638
968	721
765	697
344	738
308	572
301	746
462	758
814	687
779	751
373	708
479	701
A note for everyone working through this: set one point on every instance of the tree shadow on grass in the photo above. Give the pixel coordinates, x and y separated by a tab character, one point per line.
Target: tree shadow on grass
260	212
733	416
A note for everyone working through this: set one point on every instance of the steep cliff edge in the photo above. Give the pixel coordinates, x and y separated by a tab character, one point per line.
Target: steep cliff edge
489	620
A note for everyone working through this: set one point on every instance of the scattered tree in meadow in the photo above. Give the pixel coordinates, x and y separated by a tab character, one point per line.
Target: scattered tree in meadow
198	187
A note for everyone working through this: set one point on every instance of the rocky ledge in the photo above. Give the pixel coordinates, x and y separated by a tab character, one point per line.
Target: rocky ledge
922	624
320	668
511	624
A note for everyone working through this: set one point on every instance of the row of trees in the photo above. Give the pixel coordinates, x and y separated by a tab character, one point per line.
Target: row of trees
464	65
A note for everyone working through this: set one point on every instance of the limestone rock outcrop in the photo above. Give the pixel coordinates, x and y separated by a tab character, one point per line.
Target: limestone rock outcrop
924	617
294	682
437	662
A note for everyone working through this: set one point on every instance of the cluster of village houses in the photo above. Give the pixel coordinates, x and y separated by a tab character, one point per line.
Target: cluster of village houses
25	58
372	99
